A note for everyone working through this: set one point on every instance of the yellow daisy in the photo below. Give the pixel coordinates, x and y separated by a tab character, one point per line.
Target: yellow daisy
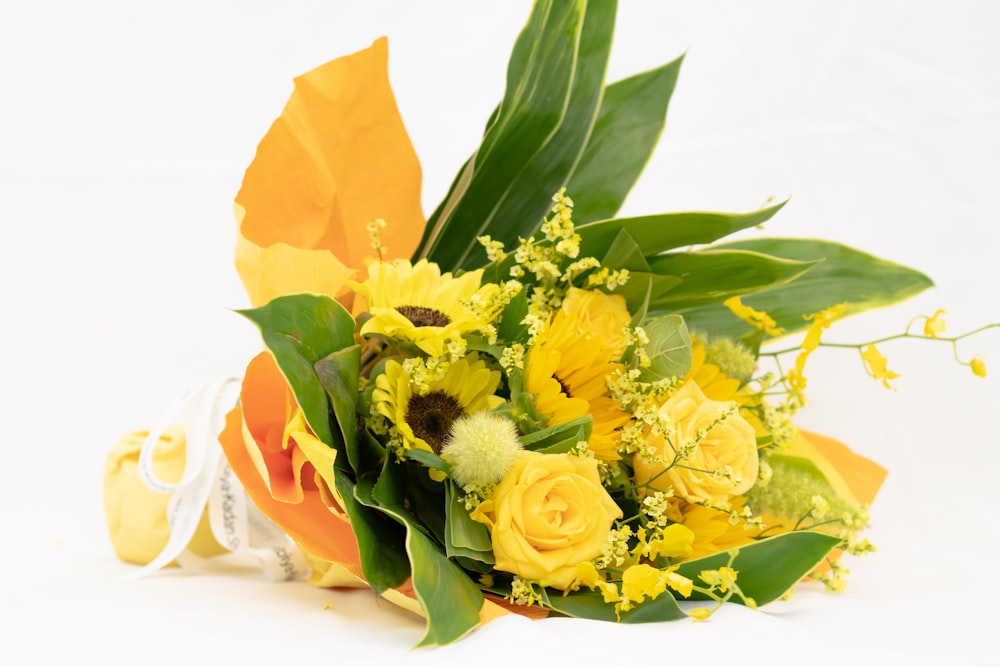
423	419
419	304
568	376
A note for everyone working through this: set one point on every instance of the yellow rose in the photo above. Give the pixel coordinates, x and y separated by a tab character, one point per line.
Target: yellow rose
730	445
547	515
600	317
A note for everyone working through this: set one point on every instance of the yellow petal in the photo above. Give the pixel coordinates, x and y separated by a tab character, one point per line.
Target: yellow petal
935	324
336	158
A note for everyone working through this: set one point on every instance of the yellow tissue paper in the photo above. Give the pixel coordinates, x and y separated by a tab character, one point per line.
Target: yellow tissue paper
137	515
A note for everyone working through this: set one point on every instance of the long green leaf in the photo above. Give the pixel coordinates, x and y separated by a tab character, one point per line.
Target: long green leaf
644	289
590	604
338	374
712	276
658	233
299	330
624	252
559	439
631	118
380	542
843	275
769	568
554	84
448	597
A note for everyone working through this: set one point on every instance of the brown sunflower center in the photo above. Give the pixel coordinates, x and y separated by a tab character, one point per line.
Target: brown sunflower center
421	316
562	385
431	416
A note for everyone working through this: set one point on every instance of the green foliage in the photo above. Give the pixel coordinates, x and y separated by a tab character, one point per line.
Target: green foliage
300	330
559	439
841	274
769	568
666	231
554	86
669	348
629	123
714	275
590	604
338	373
466	540
448	597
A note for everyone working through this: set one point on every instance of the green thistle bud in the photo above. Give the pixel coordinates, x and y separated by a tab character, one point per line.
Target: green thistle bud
481	448
732	358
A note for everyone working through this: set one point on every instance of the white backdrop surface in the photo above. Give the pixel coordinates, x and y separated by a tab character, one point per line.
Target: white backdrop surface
124	132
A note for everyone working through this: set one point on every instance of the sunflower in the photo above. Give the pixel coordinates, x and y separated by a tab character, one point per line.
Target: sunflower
419	304
568	375
714	383
713	530
423	419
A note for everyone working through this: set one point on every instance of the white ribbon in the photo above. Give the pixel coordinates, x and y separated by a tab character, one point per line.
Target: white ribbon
253	541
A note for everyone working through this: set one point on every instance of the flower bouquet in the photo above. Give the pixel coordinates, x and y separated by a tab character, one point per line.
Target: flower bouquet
522	403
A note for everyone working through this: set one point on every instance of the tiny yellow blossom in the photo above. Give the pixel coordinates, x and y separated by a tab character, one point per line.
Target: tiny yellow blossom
978	366
878	366
679	583
757	318
820	321
584	574
700	614
934	324
375	228
642	580
608	591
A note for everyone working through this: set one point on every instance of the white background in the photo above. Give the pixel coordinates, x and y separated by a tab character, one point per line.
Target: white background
124	132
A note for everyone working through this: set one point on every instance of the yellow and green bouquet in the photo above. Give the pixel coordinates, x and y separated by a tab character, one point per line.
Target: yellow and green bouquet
522	403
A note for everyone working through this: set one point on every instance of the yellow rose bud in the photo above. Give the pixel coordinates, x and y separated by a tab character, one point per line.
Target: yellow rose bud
548	514
729	444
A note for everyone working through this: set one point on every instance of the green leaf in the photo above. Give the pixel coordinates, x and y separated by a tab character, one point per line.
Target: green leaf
554	84
428	459
338	374
299	330
644	288
712	276
447	595
658	233
842	275
464	537
629	123
590	604
512	329
559	439
380	541
625	253
669	348
449	598
769	568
